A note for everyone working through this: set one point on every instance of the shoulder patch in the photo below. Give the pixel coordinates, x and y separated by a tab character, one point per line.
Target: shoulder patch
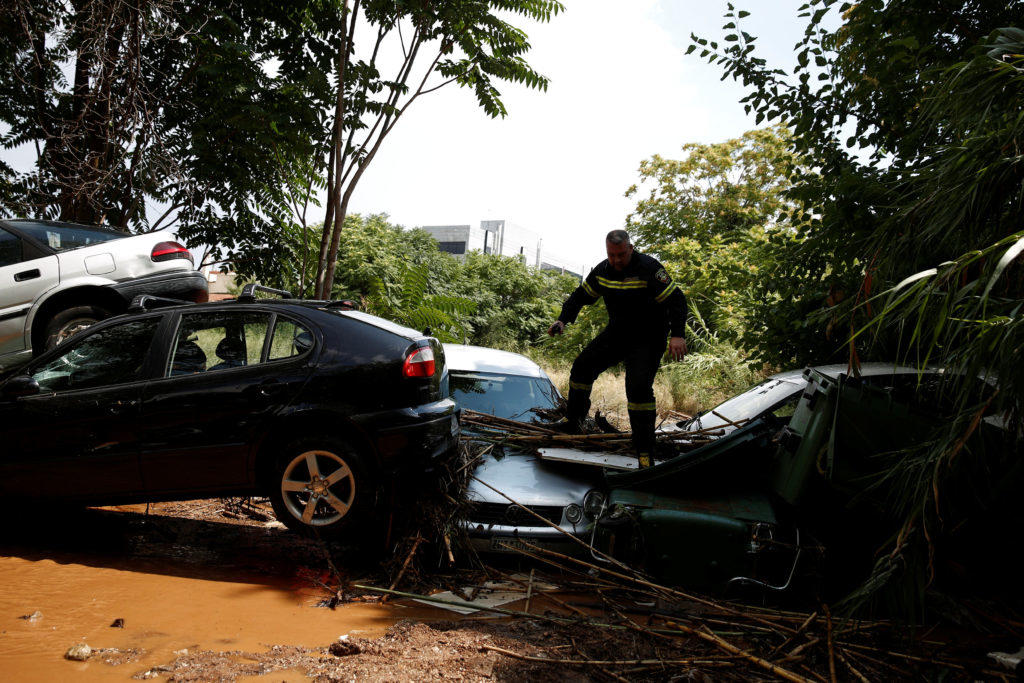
662	276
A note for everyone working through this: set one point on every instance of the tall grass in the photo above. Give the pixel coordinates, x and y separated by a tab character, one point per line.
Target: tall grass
699	382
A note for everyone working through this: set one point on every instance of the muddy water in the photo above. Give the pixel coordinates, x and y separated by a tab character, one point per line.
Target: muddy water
176	584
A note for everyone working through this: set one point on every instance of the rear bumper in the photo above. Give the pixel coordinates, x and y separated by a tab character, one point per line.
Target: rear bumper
188	285
413	437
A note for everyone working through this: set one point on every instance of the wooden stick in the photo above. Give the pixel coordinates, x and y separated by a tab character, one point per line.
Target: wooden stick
831	649
448	547
529	592
923	660
853	670
605	662
415	544
732	649
723	417
800	630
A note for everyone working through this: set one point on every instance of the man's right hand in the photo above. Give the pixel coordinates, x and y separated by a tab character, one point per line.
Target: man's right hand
556	328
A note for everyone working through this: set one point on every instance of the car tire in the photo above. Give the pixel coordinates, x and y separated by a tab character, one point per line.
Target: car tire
70	321
332	502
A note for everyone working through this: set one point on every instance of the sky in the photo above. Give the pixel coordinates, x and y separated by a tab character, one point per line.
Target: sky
621	90
559	164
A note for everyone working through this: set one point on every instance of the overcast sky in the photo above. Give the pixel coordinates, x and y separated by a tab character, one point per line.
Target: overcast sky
559	163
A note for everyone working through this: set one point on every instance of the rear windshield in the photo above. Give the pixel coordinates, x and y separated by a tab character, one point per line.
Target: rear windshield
66	236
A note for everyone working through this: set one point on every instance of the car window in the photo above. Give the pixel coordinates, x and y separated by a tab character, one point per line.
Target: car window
10	249
290	339
114	355
507	396
213	342
65	237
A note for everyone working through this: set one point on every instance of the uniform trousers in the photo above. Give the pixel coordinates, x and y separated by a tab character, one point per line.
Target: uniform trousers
640	351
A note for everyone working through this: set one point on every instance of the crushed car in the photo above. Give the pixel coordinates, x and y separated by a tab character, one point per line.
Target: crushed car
780	496
509	385
316	406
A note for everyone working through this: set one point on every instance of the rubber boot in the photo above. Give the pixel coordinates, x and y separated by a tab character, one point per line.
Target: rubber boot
642	423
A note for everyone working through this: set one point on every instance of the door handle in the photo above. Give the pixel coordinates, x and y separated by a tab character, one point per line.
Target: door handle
269	388
26	275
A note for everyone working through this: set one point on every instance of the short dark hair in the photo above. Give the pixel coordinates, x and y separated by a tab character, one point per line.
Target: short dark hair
618	237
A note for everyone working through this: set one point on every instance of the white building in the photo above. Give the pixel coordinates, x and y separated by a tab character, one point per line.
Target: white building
500	237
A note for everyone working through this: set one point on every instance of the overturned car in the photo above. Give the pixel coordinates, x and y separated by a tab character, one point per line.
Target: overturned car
780	497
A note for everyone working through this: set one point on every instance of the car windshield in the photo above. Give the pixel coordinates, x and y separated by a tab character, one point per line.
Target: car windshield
66	237
747	405
508	396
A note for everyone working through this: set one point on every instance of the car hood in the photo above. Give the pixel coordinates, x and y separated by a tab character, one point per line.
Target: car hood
528	480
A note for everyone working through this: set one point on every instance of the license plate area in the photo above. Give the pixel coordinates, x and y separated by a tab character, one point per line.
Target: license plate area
508	544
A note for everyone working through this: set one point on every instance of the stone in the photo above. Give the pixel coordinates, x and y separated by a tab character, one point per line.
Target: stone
78	653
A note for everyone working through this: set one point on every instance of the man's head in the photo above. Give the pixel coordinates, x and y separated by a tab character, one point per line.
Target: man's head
620	251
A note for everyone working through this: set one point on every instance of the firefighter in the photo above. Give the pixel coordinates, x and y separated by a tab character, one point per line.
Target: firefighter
644	308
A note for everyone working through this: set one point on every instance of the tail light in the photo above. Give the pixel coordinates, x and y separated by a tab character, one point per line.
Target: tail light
419	362
168	251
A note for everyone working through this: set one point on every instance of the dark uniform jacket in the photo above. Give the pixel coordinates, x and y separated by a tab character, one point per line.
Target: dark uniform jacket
641	298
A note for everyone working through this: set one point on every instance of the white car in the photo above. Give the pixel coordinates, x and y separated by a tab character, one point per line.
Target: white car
510	385
779	393
58	278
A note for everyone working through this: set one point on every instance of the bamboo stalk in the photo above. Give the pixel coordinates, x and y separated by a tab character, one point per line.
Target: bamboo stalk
831	648
860	677
732	649
790	639
415	544
663	589
529	592
605	662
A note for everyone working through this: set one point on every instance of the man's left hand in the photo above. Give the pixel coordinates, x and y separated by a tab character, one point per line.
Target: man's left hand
677	347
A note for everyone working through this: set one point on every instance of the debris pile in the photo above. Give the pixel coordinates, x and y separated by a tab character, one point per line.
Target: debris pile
531	436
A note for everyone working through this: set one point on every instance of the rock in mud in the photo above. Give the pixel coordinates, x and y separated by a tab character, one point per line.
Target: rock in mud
78	653
35	616
343	647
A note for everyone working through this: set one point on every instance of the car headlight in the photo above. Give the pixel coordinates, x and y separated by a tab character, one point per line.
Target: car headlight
573	514
593	503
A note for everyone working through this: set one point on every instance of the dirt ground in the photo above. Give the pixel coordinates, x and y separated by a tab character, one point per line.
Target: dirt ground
591	629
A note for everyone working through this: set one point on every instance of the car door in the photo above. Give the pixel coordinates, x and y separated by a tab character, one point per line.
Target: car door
226	373
25	271
77	437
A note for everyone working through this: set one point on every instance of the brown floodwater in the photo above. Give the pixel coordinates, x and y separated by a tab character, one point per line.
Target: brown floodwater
176	584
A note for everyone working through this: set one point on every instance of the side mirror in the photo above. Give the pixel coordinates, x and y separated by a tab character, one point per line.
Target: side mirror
20	385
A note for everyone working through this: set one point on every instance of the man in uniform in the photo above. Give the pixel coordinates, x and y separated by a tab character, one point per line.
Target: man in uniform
644	308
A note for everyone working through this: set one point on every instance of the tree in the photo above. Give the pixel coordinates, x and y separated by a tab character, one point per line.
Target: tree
515	303
459	41
852	103
921	231
709	218
172	104
722	189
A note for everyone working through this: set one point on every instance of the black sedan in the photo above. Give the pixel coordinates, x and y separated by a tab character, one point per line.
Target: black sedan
315	406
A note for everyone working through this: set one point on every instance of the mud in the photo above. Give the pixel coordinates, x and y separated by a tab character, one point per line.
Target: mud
143	590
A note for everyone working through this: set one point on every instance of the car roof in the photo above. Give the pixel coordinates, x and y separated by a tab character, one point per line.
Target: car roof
466	358
314	306
873	369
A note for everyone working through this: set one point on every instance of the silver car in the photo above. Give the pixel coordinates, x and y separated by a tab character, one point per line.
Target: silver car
58	278
510	385
779	393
